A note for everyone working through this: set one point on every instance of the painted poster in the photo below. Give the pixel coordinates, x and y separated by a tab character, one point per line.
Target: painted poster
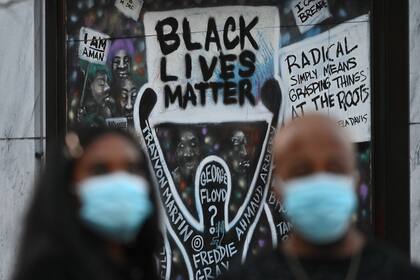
330	73
207	118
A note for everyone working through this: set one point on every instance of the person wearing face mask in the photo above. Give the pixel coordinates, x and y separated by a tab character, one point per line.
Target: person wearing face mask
317	176
93	214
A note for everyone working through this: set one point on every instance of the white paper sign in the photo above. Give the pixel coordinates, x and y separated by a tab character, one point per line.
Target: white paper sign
309	13
93	46
130	8
120	123
330	73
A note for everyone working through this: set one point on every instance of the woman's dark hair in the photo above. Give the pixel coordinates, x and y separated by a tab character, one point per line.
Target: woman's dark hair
53	238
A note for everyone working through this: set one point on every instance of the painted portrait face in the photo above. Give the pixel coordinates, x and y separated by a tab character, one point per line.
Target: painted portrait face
127	97
187	153
237	155
99	87
121	64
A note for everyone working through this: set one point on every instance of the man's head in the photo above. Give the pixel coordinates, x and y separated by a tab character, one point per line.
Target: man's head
99	87
187	153
310	145
120	58
99	78
316	164
126	96
236	153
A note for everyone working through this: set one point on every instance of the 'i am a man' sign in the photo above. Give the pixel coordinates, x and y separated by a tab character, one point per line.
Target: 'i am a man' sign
93	46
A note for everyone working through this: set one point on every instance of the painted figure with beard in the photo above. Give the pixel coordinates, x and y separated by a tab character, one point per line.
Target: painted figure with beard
237	157
188	155
125	96
97	105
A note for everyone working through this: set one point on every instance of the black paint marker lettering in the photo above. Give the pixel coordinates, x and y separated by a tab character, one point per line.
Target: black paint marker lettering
229	93
187	37
215	90
291	62
188	66
163	74
299	106
327	53
202	87
172	96
340	50
316	55
349	50
230	25
212	36
189	96
226	69
299	7
245	91
247	59
315	101
206	70
305	60
245	31
168	42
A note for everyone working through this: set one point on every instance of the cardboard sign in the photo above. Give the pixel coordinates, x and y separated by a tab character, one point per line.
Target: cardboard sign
93	46
120	123
308	13
330	73
130	8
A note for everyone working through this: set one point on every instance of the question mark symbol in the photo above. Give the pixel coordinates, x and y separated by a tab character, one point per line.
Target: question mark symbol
213	209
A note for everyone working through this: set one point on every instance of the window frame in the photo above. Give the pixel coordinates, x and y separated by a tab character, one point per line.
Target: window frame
390	112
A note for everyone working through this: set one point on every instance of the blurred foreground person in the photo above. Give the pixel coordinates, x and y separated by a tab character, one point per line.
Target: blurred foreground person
316	167
93	215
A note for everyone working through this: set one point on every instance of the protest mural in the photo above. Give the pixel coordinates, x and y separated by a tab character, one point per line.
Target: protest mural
205	86
207	118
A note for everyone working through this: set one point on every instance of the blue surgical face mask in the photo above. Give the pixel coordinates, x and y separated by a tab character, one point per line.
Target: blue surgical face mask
320	206
115	205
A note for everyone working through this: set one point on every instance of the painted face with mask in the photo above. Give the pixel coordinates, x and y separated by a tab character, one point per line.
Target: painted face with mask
113	192
315	167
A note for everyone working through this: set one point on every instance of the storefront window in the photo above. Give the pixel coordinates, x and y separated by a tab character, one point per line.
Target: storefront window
205	84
